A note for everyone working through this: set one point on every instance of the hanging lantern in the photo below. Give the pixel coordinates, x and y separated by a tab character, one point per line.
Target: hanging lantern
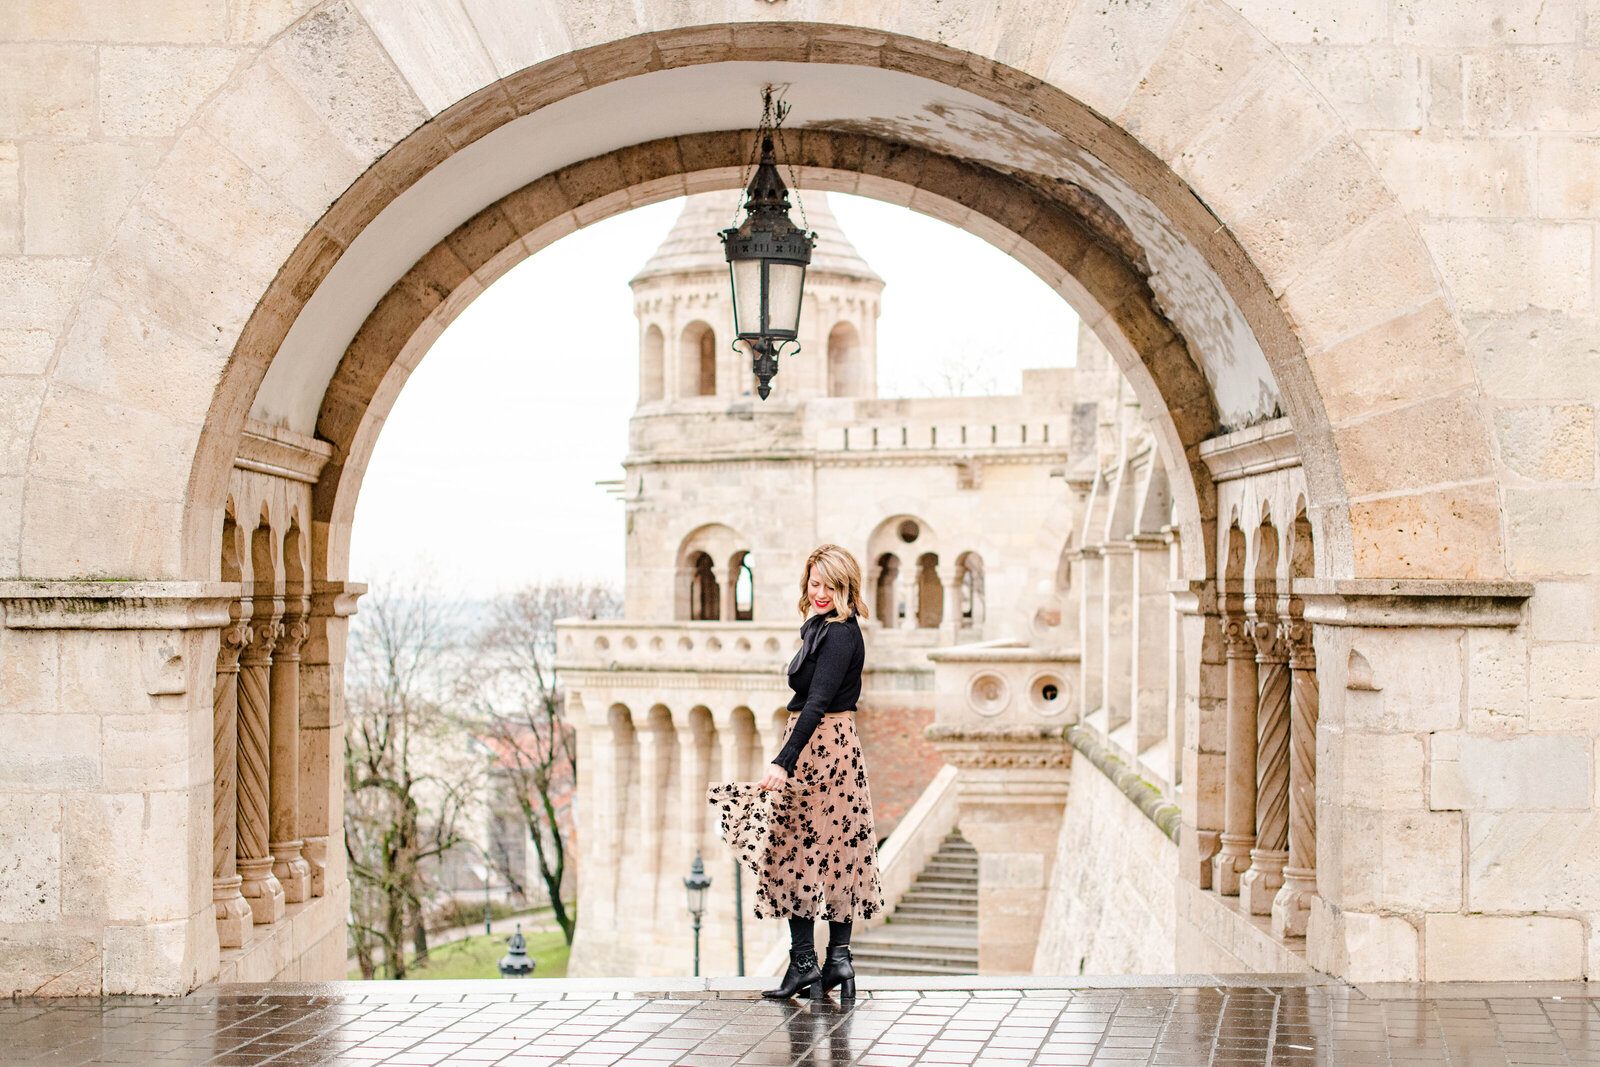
767	259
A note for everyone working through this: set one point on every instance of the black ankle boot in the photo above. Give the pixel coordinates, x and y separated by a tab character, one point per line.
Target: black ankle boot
801	975
837	971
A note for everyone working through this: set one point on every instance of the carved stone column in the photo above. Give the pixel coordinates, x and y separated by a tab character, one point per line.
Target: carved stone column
233	913
1116	620
1012	788
950	628
259	887
290	867
1292	906
1271	850
1239	823
1091	688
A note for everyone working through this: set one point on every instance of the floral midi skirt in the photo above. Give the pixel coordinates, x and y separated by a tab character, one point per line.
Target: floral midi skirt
811	844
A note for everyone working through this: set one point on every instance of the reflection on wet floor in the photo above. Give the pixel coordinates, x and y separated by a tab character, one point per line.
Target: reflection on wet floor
536	1024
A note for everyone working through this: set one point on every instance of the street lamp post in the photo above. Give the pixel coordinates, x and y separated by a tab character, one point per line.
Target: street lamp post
696	885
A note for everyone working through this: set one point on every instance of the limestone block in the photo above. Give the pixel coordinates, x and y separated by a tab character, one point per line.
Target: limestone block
1323	199
1531	771
1534	861
1418	678
209	196
1431	443
517	35
1374	274
39	292
30	858
142	20
79	532
169	958
1565	611
10	524
108	351
1547	89
1372	87
154	751
46	90
1564	687
1381	770
255	21
1497	680
273	131
148	456
1569	177
1209	53
1536	356
1323	22
1361	947
109	845
1498	267
10	203
1502	948
1106	48
58	960
1400	860
1247	148
435	46
20	397
1549	442
1456	174
332	59
1418	353
77	193
58	753
1449	533
158	271
1461	22
1549	531
25	351
153	92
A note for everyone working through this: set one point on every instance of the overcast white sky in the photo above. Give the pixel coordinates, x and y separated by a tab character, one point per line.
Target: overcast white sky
486	467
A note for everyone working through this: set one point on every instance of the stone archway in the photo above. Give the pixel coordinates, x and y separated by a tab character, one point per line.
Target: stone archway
1262	253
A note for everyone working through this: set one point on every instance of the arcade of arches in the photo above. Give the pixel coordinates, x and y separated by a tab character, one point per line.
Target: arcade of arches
1343	256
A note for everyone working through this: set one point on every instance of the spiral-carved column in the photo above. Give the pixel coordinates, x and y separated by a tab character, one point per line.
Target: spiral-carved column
259	887
1239	821
1260	883
288	865
233	914
1292	906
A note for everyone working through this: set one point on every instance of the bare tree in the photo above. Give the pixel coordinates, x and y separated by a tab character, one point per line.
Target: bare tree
407	774
521	712
961	375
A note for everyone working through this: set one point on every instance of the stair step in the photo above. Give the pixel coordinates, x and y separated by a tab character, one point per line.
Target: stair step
934	928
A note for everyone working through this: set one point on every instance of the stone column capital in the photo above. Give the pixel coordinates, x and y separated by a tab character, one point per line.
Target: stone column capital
292	634
1238	637
1302	651
1271	640
264	637
235	638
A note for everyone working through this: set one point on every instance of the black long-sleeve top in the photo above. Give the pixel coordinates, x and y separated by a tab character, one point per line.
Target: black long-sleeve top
825	675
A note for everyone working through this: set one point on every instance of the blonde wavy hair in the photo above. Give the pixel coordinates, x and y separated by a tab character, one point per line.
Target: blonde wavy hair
842	574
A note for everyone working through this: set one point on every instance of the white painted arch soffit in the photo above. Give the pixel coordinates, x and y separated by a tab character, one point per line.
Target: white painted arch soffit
892	105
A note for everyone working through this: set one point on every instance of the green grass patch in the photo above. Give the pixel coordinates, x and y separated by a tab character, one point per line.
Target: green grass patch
479	956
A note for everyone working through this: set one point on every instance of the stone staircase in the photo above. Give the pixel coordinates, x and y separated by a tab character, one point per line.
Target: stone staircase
934	928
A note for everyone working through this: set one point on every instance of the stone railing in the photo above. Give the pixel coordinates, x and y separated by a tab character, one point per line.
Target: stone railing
612	644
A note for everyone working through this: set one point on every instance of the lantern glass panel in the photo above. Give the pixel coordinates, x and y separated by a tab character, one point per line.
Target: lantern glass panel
697	899
784	282
746	296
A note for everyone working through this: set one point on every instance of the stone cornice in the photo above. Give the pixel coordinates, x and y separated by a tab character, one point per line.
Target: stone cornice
111	605
281	453
1444	603
1003	651
1269	446
1001	747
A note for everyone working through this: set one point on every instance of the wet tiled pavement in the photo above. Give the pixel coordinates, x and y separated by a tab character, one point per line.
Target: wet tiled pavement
1188	1020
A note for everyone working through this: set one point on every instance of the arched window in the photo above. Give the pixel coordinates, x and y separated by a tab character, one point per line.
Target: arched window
844	364
744	588
652	369
697	361
888	605
971	565
705	596
930	594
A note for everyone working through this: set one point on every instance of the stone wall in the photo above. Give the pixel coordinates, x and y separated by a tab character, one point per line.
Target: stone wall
899	757
1110	908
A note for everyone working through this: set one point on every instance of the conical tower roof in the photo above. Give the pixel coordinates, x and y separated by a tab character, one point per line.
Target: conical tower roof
693	244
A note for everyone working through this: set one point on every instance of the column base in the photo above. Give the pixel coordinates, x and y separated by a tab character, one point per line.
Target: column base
233	913
1260	883
291	870
315	851
261	890
1230	862
1291	908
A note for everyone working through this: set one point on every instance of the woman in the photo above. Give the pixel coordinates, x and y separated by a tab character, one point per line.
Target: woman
806	827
